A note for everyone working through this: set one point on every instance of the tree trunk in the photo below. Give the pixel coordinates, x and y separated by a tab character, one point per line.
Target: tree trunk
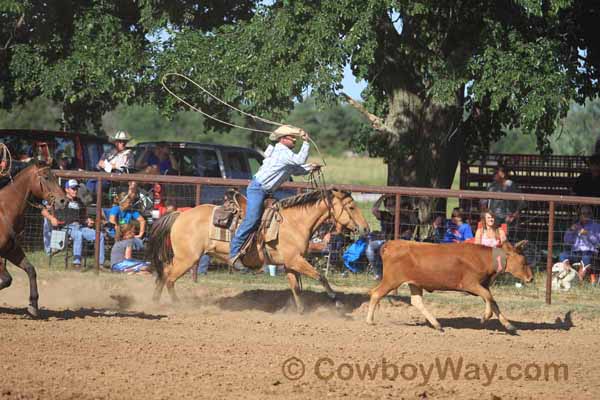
425	144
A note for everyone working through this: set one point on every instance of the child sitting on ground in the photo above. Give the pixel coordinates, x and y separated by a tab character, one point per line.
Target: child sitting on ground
121	259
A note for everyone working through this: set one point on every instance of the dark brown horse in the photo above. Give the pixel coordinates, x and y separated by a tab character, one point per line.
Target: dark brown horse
36	181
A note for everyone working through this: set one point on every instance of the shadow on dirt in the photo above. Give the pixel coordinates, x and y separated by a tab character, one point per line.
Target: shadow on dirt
271	301
560	324
46	314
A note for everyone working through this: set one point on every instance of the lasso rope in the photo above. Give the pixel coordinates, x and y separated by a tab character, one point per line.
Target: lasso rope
5	156
198	110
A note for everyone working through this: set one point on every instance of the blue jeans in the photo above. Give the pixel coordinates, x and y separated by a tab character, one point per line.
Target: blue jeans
47	234
373	255
130	265
203	264
256	196
79	234
576	256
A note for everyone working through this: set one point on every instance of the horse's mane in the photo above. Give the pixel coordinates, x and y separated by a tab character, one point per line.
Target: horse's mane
308	198
304	199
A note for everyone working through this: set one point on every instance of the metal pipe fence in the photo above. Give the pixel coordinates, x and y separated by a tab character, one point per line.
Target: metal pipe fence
543	220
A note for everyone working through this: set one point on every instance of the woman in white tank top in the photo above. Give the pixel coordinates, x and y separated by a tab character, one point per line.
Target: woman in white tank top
488	233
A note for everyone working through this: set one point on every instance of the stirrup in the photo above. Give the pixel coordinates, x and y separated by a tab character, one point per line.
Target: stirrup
237	264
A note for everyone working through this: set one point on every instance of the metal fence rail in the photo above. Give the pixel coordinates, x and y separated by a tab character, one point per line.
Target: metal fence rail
544	221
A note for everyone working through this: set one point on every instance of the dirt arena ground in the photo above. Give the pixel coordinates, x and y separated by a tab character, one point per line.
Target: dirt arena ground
102	338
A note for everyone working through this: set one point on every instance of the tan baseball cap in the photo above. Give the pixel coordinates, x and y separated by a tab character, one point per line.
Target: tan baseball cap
286	130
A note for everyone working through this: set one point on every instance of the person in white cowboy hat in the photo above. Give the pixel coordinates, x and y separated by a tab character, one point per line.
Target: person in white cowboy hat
121	158
280	162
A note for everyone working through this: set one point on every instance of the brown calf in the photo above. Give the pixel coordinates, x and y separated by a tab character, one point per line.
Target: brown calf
462	267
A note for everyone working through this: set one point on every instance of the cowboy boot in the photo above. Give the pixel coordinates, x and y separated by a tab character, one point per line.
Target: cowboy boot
236	263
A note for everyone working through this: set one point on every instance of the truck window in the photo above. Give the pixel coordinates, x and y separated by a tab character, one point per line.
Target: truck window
200	162
236	164
64	153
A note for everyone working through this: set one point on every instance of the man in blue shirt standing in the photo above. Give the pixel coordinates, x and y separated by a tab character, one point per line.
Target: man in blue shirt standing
279	164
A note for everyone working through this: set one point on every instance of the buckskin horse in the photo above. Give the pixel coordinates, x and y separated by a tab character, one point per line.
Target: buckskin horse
39	182
178	240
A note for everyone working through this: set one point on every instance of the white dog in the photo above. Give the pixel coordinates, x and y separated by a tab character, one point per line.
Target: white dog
564	276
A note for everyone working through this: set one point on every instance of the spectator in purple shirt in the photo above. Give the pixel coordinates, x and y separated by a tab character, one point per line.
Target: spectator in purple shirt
584	238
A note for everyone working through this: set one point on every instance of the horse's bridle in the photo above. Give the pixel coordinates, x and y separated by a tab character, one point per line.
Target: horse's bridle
49	197
329	202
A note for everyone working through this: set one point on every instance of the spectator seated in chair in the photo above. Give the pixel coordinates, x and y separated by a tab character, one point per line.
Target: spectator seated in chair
488	232
584	238
121	213
71	218
121	255
456	230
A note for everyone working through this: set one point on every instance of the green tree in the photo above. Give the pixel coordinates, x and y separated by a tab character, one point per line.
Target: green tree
575	135
444	78
89	56
332	126
39	113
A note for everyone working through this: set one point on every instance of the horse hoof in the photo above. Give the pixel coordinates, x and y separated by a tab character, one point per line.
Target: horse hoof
339	304
511	329
33	311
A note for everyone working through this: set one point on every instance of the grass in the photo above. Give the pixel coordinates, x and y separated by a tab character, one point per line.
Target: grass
354	170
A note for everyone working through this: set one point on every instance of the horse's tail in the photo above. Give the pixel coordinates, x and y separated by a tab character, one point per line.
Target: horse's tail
160	249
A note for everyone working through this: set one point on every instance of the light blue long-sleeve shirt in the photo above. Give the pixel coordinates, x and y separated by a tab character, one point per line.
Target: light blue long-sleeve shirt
588	242
280	164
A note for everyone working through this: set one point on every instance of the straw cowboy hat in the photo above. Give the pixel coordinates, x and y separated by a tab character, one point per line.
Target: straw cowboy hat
121	135
286	130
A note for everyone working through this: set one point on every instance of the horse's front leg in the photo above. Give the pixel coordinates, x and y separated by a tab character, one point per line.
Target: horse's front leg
302	266
17	257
